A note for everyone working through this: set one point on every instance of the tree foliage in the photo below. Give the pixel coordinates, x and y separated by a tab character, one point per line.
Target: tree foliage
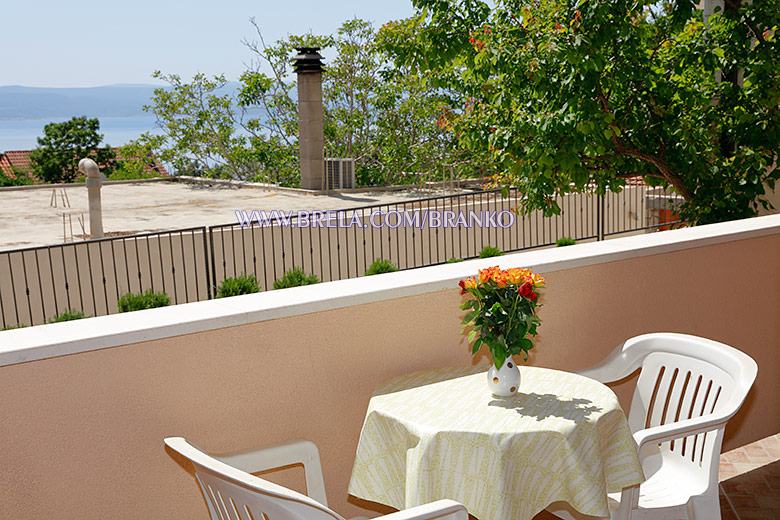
64	144
19	178
568	95
388	118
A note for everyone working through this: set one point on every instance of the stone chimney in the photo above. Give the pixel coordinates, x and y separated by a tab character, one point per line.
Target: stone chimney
308	66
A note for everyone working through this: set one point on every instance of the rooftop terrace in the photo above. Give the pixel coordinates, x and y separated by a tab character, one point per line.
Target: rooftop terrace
28	218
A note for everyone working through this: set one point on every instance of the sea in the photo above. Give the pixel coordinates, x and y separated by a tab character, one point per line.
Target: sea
23	134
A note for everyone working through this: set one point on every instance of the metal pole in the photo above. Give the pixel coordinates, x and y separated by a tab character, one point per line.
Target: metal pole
601	217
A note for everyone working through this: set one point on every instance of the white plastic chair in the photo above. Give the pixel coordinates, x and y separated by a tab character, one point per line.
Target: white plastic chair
233	493
689	387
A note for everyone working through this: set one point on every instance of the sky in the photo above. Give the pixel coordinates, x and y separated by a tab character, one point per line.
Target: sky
86	43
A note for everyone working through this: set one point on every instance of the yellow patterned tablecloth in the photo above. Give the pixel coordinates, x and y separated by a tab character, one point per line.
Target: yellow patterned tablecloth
441	434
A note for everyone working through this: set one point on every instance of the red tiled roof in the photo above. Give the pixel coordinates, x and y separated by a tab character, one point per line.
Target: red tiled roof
5	166
20	160
15	159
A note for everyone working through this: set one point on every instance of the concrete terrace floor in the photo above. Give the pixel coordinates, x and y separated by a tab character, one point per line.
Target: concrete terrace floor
27	218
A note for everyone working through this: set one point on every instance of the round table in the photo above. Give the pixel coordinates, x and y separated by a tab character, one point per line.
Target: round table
441	434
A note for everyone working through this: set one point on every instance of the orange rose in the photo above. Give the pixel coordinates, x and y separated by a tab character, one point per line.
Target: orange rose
468	283
500	277
538	280
487	274
515	275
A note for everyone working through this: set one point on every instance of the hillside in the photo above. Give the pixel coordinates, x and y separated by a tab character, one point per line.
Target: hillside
61	103
38	103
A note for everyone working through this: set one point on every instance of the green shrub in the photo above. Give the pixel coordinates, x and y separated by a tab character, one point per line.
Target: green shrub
127	173
146	300
489	251
20	179
380	266
565	241
454	260
295	277
17	326
68	315
242	284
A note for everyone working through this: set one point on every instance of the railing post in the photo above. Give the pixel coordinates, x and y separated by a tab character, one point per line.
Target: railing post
601	216
209	246
205	261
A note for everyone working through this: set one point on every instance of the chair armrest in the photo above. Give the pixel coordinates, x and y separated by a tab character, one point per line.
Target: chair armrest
678	430
280	455
448	509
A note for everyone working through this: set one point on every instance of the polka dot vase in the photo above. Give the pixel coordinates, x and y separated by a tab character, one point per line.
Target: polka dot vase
505	381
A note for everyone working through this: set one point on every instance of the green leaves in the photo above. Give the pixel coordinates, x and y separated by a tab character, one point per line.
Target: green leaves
64	144
387	115
499	318
600	91
295	277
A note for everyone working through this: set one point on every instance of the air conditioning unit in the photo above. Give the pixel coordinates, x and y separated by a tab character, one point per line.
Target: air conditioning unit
339	174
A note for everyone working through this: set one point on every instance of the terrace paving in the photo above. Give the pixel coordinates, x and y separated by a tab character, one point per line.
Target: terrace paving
749	482
28	219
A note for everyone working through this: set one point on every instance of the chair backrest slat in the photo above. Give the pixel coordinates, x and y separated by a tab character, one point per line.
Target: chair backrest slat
682	377
677	387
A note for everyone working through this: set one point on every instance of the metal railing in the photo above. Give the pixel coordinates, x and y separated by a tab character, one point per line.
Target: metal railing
39	283
271	248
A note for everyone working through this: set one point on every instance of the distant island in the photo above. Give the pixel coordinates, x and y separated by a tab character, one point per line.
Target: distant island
124	100
41	103
24	111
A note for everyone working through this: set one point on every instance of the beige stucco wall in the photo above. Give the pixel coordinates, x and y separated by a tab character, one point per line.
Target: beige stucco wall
81	435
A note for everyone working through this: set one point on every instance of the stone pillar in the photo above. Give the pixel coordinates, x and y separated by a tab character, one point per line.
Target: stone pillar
94	183
308	66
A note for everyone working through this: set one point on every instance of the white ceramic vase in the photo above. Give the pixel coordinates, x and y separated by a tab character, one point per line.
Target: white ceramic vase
505	381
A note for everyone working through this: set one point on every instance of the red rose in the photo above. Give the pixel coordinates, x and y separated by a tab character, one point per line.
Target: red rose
527	291
462	284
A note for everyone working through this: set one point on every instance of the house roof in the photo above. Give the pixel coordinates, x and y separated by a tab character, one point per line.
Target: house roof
20	160
15	159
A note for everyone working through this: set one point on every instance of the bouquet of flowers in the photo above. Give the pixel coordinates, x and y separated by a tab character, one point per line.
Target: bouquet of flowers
502	311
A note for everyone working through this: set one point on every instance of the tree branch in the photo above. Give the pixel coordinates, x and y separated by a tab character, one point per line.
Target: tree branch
736	5
632	151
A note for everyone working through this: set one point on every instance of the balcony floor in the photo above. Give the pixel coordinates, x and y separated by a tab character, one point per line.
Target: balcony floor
749	482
